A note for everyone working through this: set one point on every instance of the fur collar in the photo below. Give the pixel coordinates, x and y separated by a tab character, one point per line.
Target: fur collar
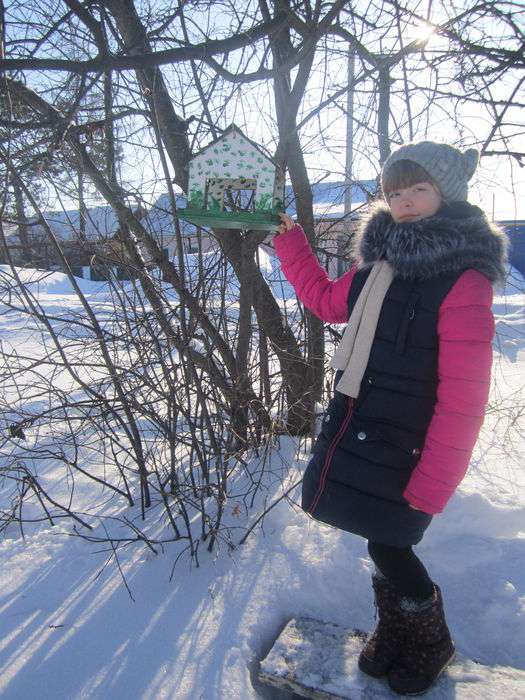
450	241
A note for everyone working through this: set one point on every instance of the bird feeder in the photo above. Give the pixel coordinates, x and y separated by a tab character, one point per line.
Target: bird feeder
234	184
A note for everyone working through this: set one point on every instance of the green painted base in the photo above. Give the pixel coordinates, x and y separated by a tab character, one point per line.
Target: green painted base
246	220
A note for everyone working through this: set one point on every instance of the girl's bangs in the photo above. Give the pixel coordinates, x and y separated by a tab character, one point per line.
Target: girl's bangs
404	173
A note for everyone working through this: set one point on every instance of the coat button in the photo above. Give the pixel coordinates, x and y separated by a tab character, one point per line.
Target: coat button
416	452
361	436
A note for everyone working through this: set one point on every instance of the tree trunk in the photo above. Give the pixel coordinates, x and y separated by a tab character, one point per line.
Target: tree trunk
244	337
82	209
23	228
294	366
289	153
383	113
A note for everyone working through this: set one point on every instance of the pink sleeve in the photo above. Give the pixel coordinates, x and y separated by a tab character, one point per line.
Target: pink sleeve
465	330
326	298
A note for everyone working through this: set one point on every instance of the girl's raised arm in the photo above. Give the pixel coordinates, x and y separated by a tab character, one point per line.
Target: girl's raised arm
326	298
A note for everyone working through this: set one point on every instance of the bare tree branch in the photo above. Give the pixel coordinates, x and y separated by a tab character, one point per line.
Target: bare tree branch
197	52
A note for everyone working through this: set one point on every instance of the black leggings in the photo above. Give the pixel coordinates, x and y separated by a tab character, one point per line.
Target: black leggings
403	569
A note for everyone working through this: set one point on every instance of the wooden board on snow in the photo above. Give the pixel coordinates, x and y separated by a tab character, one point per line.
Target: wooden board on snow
318	660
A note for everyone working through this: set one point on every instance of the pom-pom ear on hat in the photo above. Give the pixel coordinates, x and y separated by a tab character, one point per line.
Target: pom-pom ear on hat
470	162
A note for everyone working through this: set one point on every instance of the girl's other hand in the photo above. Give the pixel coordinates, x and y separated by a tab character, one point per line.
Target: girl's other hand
286	223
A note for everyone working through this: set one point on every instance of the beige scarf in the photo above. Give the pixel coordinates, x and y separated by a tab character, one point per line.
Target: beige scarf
353	351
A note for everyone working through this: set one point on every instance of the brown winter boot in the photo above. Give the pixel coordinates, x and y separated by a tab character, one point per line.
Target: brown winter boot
384	644
428	648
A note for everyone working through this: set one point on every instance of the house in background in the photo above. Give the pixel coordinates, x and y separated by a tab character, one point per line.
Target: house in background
92	246
79	243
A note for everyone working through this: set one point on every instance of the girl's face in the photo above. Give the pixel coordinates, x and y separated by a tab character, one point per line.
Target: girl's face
414	203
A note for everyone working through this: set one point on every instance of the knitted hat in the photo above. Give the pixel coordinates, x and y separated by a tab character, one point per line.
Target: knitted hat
448	166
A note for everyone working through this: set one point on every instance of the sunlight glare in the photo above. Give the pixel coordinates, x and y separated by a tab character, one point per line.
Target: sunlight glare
422	32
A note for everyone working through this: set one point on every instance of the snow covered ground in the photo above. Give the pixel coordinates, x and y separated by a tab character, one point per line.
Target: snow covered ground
70	630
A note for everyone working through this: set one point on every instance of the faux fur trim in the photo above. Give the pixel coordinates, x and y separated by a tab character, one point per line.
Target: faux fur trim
433	246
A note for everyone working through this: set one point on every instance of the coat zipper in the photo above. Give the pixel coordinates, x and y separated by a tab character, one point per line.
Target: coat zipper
329	454
406	321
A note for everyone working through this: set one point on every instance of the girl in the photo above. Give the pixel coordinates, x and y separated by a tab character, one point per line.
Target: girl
412	380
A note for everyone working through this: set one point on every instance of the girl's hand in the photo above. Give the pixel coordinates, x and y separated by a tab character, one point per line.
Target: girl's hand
286	223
